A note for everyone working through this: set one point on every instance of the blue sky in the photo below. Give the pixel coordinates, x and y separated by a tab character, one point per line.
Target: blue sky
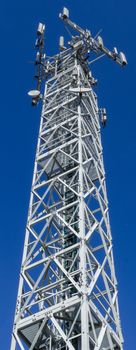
19	129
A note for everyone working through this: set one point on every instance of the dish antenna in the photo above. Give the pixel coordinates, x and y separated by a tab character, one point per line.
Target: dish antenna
34	93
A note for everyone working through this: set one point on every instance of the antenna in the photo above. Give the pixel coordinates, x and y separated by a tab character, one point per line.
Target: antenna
91	44
39	62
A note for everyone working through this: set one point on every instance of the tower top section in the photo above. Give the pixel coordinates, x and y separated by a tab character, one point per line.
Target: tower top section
81	46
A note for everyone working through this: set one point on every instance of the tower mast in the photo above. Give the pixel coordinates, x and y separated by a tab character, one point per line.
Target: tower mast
67	297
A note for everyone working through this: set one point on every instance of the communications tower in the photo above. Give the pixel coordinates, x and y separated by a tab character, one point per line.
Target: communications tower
67	297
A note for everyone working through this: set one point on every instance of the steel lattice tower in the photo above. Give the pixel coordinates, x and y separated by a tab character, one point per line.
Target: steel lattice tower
67	297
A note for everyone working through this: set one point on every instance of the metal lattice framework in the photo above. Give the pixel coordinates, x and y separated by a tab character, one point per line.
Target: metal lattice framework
67	296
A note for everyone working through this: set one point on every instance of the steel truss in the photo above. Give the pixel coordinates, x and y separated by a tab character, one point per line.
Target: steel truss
67	297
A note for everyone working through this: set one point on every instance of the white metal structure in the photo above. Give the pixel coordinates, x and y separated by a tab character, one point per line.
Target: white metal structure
67	297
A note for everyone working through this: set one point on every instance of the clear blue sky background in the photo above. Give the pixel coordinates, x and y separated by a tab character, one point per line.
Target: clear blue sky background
19	128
